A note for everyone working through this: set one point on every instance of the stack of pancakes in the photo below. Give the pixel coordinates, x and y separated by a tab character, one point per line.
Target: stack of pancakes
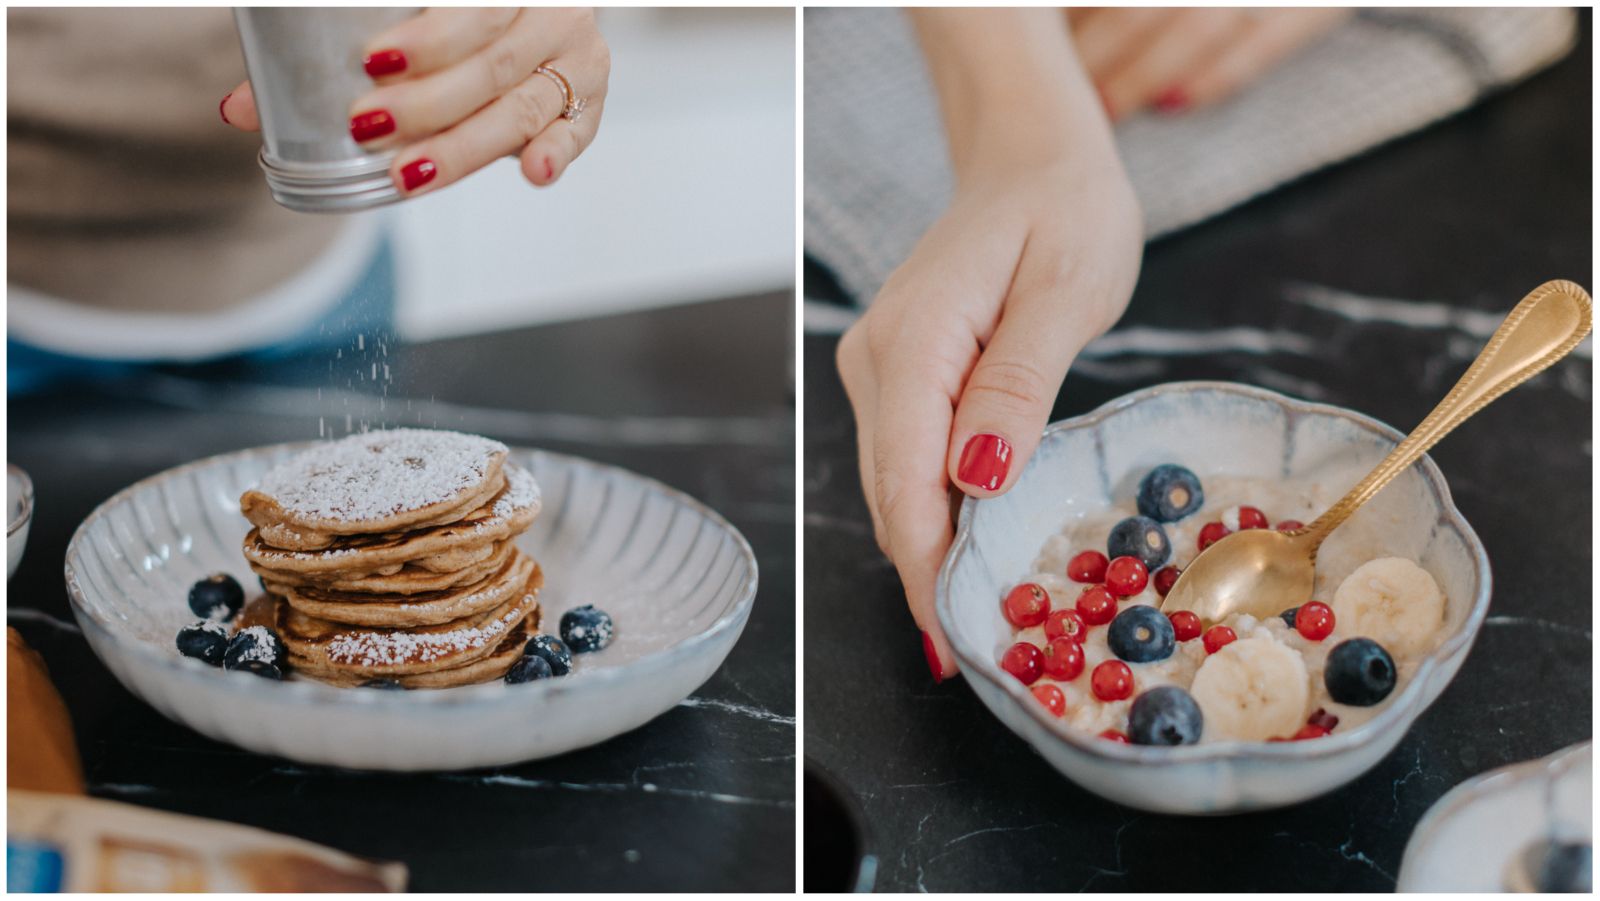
390	556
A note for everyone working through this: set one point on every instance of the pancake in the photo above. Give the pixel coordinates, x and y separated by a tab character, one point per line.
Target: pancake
519	575
436	548
318	646
485	669
408	579
372	484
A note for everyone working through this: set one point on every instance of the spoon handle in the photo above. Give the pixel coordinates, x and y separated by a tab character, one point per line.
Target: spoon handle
1542	329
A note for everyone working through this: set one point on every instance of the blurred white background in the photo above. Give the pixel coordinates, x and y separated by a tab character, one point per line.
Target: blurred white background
686	194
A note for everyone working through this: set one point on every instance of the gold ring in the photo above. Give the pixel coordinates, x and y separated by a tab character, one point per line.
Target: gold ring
573	105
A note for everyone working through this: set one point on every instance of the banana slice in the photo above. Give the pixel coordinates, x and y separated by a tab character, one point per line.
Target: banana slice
1253	689
1391	601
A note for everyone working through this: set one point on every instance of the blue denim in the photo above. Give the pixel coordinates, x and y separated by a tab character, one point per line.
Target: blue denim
368	309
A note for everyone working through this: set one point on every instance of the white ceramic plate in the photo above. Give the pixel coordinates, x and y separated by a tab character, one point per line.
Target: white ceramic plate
1214	428
677	579
1467	840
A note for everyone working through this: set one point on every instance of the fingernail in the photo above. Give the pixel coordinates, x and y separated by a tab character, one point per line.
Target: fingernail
1173	100
222	108
984	462
549	169
384	62
417	173
367	126
928	651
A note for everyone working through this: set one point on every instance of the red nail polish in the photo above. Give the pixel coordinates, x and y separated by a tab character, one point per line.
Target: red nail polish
384	62
984	462
549	170
417	173
1173	100
928	651
367	126
222	107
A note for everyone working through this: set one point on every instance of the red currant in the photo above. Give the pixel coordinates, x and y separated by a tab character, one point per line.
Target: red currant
1023	660
1323	719
1212	533
1185	625
1065	624
1063	659
1251	518
1051	697
1112	681
1310	731
1314	620
1089	566
1096	606
1027	605
1114	735
1216	637
1289	525
1126	576
1165	578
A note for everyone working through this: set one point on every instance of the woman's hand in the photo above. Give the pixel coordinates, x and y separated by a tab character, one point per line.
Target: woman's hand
456	89
1179	59
953	370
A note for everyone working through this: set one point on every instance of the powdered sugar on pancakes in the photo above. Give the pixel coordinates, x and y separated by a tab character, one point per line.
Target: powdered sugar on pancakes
380	474
522	492
397	647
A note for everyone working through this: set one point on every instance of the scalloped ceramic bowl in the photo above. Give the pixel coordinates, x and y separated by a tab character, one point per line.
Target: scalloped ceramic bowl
676	577
1214	428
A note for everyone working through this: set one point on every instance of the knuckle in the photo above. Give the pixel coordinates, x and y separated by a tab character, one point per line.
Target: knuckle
504	66
529	110
1009	386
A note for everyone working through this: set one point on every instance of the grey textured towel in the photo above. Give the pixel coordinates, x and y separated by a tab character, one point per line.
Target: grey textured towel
877	173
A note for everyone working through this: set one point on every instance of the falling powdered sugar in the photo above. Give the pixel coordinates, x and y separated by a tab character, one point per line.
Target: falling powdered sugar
390	648
379	474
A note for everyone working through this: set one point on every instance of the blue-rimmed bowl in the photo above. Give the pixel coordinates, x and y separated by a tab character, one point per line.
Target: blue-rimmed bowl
1214	428
678	580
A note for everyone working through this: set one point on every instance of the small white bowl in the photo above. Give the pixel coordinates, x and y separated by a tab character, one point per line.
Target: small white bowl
1214	428
19	517
1469	840
677	579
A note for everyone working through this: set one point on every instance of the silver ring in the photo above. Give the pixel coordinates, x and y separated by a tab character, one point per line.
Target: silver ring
573	105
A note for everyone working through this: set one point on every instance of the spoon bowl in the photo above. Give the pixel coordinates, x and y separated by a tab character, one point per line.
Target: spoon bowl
1261	574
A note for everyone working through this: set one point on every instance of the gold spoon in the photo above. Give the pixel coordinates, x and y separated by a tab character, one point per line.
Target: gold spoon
1263	572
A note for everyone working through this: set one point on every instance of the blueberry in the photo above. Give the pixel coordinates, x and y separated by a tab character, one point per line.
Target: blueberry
260	668
1165	715
553	651
1141	634
1359	672
1567	867
1169	492
1288	616
1141	537
384	684
528	668
586	629
206	640
217	596
256	643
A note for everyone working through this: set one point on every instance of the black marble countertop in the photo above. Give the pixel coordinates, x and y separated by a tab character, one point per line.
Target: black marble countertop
697	396
1460	220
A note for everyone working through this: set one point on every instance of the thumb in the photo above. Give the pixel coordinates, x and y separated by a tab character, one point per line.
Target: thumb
238	108
1007	399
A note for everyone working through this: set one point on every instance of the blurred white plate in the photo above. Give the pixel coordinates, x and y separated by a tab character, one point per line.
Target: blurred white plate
1467	840
678	580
